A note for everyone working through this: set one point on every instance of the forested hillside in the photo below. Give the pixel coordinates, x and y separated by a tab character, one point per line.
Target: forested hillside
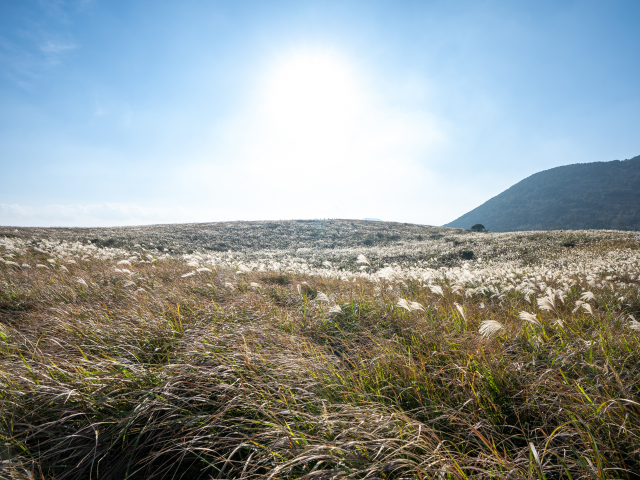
601	195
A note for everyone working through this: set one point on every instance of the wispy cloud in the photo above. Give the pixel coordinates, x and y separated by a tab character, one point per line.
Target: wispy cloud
55	48
36	43
90	215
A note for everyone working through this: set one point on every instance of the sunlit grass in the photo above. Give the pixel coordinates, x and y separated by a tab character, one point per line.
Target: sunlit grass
114	369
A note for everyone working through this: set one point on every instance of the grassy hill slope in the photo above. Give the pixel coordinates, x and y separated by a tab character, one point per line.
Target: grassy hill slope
601	195
238	236
142	364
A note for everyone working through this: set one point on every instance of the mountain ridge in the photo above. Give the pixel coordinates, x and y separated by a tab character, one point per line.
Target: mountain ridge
581	196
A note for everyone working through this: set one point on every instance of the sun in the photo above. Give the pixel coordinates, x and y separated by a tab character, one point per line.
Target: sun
311	98
317	127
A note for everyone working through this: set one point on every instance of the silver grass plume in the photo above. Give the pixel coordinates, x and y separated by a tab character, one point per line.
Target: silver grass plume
402	303
322	297
410	306
488	328
546	303
416	306
437	289
587	307
586	296
529	317
363	259
578	305
304	288
457	289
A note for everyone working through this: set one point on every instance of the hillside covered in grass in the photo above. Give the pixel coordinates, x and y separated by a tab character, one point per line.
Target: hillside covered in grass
135	362
601	195
244	236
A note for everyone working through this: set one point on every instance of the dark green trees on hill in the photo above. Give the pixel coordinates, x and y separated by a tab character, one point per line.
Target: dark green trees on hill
601	195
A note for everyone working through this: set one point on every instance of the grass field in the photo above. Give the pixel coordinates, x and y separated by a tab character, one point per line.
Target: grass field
332	349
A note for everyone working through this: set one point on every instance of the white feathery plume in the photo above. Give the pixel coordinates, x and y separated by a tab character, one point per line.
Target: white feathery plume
558	322
124	262
387	273
335	309
578	305
303	288
416	306
586	296
437	289
190	274
128	283
489	328
634	325
322	297
546	303
402	303
203	269
529	317
363	259
587	307
460	309
229	285
254	285
82	282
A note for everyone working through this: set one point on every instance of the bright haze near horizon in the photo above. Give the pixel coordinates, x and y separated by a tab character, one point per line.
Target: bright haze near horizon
140	112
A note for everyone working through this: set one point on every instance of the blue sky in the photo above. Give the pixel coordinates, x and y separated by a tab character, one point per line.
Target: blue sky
139	112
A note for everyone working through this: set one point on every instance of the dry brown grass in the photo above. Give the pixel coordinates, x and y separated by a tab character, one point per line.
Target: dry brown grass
192	378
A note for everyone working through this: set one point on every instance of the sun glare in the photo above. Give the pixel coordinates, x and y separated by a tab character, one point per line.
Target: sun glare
319	130
312	100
